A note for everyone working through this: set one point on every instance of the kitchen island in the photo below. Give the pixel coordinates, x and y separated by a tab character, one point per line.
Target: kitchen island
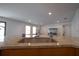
55	50
60	48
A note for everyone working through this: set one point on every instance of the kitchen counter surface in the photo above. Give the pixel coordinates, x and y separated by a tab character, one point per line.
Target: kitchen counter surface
61	42
37	46
62	47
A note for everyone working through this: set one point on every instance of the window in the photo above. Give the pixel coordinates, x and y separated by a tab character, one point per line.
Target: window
33	31
2	31
28	31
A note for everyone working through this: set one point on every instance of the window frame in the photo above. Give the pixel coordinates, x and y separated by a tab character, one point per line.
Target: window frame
31	31
25	31
5	27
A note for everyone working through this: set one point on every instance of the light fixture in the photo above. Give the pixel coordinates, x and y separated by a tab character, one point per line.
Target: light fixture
58	43
50	13
29	20
29	44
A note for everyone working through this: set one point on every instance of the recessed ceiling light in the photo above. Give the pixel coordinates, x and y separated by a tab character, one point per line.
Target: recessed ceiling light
50	13
29	20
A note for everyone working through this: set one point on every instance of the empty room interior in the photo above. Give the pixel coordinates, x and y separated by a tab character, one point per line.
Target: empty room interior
39	29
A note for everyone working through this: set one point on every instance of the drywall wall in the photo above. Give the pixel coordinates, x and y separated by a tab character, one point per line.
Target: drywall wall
14	30
75	28
67	29
75	24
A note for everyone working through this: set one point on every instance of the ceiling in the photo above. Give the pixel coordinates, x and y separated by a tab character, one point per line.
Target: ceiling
37	13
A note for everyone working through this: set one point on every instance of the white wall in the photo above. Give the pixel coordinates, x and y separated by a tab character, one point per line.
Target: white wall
14	30
67	29
75	24
75	28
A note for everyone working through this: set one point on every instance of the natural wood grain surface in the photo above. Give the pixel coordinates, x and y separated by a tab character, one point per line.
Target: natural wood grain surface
77	51
57	52
64	51
0	52
20	52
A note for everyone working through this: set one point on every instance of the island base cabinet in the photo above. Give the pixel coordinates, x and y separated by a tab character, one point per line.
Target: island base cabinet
19	52
0	52
39	52
77	51
57	52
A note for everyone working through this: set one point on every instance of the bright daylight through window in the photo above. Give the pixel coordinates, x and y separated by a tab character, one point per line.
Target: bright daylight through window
2	31
30	31
33	31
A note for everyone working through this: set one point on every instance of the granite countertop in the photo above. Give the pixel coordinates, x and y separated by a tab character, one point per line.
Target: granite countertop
37	46
61	42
